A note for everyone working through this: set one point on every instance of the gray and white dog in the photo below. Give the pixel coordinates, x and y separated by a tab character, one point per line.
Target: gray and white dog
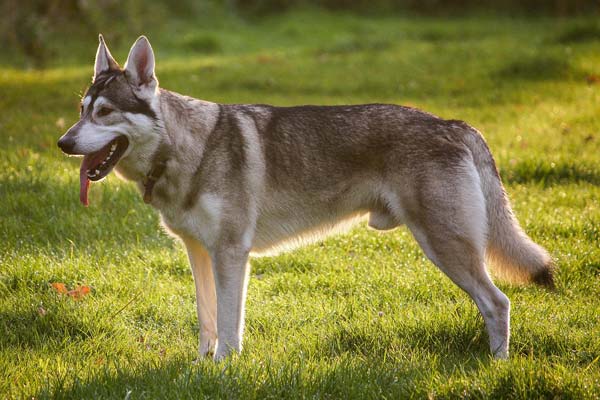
234	180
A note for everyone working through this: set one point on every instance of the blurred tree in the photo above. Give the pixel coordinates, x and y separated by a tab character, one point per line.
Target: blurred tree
24	24
436	7
27	26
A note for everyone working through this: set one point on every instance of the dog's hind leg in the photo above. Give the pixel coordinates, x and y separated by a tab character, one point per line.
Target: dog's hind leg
206	301
450	225
463	264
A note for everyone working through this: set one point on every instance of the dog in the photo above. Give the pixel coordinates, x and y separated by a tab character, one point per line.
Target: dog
231	180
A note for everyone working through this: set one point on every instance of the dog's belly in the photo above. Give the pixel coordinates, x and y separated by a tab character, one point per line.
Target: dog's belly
288	221
275	232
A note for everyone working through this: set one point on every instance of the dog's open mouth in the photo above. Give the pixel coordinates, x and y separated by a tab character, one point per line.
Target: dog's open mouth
96	166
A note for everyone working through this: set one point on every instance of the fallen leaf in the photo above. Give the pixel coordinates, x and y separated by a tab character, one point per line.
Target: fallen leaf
59	287
591	79
84	290
79	292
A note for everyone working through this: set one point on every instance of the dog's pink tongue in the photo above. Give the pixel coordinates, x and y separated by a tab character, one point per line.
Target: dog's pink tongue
84	182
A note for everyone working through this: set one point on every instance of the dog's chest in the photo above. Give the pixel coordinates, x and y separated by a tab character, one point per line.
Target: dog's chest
202	221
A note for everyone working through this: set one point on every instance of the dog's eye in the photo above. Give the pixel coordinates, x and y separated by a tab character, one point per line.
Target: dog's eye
104	111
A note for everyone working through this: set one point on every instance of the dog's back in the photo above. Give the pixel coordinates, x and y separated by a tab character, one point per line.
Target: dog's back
326	164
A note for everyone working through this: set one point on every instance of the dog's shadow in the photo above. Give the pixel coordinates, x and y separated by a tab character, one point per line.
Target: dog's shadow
466	344
347	366
342	366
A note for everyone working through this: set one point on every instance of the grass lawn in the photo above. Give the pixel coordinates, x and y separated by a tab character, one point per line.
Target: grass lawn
360	315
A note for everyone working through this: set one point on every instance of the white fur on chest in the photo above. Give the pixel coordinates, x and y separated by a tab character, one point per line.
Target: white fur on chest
203	221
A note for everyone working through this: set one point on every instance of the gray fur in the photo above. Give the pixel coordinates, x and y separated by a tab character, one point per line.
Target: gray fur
243	179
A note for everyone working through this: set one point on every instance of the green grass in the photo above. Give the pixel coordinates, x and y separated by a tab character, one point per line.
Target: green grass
361	315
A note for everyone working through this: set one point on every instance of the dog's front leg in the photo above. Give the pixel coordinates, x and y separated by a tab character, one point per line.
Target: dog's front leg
206	301
231	276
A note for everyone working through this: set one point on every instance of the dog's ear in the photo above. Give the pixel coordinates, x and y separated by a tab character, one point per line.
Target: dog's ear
104	60
140	63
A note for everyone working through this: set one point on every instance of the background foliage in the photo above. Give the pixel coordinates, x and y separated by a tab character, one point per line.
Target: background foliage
30	27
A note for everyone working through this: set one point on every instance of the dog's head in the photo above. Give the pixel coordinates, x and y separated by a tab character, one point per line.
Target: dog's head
119	117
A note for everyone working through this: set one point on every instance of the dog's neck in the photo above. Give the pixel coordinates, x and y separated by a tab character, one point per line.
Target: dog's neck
158	165
185	124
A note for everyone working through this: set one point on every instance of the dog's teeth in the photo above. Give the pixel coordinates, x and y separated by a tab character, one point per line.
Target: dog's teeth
104	162
113	148
96	172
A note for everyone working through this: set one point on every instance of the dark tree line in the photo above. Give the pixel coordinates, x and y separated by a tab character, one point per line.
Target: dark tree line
428	7
25	25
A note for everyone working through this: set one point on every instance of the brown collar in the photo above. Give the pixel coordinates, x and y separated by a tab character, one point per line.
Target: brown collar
159	164
154	175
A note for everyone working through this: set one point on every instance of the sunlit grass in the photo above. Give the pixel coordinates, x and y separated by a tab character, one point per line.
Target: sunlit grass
361	315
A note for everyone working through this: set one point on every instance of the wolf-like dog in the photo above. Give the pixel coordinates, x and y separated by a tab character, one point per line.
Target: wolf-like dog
232	180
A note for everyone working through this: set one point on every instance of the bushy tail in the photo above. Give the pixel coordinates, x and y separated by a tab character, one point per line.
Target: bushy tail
511	254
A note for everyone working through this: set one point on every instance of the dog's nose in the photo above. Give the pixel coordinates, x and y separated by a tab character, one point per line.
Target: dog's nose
66	144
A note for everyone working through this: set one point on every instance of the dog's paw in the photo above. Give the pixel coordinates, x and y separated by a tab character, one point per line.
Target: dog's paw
221	354
207	344
224	351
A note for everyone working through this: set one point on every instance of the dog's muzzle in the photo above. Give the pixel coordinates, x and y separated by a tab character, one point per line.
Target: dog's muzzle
66	144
